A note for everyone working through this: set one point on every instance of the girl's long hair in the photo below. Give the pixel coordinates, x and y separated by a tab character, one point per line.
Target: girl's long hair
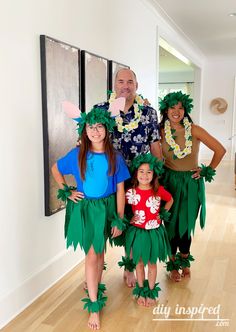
154	183
85	147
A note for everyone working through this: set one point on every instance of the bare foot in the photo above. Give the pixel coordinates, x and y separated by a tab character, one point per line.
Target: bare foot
175	276
150	302
94	321
141	300
129	278
186	272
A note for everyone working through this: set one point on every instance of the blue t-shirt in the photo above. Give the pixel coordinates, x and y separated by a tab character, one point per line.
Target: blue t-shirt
97	183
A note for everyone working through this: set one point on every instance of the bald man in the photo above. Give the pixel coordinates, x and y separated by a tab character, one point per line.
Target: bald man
139	132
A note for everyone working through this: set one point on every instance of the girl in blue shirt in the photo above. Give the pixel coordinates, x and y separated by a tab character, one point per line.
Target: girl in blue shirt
95	209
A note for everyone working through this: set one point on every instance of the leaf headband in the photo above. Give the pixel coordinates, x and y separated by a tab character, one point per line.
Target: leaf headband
96	115
172	99
155	164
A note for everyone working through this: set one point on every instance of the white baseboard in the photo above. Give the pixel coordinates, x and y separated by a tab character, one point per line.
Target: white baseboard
20	298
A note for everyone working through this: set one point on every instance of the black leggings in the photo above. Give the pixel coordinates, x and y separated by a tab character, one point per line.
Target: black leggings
182	243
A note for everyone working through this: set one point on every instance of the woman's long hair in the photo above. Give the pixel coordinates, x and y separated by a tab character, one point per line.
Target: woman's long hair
85	147
154	183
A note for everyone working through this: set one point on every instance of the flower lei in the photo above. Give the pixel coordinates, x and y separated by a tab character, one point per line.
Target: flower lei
138	104
174	146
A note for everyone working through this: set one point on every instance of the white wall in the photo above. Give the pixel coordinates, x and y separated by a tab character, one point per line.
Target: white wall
32	249
171	77
133	41
218	81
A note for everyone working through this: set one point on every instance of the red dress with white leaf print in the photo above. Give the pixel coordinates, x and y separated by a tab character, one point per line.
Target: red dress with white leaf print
146	205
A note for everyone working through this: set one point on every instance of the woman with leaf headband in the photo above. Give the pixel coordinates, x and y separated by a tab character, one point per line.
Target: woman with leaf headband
91	215
180	140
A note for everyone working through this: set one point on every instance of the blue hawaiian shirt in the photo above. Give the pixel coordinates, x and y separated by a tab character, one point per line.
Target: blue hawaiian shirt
135	141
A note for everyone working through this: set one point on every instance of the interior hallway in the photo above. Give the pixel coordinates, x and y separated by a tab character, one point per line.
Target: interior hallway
212	284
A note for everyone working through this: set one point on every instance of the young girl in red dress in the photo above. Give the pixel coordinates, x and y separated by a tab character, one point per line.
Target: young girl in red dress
146	238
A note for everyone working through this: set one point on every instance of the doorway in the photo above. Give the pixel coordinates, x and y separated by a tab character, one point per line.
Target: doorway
176	73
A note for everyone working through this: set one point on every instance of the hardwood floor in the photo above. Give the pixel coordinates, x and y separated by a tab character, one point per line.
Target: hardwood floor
213	283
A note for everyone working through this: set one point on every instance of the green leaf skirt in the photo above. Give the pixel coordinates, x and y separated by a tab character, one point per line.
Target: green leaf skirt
147	245
88	223
189	202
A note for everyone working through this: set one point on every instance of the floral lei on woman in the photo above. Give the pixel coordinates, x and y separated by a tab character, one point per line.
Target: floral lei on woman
138	104
174	146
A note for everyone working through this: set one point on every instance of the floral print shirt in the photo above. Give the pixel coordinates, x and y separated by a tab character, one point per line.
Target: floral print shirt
146	206
135	141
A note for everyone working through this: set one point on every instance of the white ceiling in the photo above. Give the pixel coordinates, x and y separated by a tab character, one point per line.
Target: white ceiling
205	22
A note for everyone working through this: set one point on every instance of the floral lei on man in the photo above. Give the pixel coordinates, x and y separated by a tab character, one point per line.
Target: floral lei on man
170	139
138	104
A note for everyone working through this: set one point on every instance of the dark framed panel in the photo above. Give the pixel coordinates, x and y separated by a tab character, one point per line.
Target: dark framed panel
60	80
113	69
94	80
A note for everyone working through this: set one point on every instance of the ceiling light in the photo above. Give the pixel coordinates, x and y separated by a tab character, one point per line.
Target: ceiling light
232	14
